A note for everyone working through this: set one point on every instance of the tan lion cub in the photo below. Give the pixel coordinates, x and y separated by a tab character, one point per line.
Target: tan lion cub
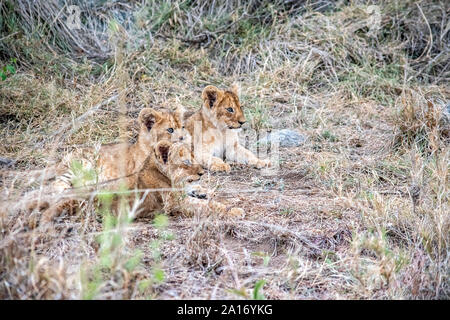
154	126
217	123
172	169
120	161
168	180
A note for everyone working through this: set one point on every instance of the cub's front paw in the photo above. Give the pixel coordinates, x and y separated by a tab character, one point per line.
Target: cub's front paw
236	212
220	166
197	191
263	164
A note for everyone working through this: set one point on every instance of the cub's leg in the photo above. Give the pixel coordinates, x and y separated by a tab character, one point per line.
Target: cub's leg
191	205
188	205
213	163
239	154
69	206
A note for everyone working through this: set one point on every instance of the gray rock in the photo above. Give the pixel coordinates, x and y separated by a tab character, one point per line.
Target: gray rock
288	138
6	162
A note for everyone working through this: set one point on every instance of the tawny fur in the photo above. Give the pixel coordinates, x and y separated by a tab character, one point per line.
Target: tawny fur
167	181
115	160
220	117
181	173
121	161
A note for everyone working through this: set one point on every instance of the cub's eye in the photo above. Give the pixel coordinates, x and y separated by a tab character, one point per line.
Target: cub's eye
187	162
230	110
170	130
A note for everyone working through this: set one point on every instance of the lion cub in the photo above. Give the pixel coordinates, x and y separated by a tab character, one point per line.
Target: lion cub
169	181
120	161
154	126
172	169
220	118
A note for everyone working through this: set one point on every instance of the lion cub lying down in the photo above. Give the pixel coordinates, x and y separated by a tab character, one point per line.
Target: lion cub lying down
172	165
220	117
167	181
121	161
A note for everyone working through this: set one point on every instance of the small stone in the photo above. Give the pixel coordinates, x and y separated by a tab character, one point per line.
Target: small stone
287	138
6	162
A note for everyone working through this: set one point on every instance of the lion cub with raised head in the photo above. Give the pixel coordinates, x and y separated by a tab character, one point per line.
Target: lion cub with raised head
220	118
172	170
120	161
169	180
154	126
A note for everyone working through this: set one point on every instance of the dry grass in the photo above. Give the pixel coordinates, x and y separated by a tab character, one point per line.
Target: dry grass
360	211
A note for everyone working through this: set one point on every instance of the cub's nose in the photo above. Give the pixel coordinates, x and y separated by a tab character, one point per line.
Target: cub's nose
241	122
181	138
200	173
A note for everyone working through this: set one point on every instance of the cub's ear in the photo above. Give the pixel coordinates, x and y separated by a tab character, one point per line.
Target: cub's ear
148	117
210	95
162	151
235	89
